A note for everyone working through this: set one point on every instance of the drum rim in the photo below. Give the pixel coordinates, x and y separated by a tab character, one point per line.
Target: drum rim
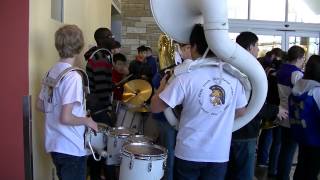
109	132
89	132
149	140
144	157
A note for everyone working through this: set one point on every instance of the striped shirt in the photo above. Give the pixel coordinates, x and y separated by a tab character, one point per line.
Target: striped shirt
99	70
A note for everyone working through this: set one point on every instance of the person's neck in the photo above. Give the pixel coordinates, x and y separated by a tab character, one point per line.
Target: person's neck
196	56
70	61
295	63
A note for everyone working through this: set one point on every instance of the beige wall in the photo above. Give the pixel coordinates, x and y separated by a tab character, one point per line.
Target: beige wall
88	15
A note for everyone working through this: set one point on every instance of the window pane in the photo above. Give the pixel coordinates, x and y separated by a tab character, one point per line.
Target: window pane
269	10
238	9
299	11
310	44
267	43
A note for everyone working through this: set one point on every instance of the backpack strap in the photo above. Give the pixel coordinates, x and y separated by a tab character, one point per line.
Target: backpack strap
52	83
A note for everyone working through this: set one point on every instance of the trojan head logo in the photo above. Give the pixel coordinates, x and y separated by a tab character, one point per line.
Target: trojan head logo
217	96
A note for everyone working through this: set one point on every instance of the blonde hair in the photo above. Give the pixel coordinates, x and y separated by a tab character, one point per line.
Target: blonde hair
69	41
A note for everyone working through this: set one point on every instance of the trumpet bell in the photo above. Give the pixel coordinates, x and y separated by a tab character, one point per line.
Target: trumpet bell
268	124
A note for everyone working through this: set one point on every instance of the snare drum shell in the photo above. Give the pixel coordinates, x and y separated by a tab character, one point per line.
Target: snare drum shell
139	169
128	119
98	141
116	138
114	149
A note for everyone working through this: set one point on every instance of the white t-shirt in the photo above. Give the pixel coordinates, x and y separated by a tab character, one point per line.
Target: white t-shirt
59	137
208	114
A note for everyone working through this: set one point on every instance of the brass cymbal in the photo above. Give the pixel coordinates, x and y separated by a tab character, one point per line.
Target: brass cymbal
136	92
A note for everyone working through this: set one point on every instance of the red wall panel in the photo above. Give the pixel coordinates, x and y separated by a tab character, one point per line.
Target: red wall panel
14	33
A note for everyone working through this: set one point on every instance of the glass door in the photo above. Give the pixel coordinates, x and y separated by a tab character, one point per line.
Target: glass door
309	41
267	40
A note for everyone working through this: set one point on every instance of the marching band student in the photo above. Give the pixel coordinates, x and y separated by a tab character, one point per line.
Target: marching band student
243	144
99	70
244	140
304	113
139	68
119	71
64	108
151	61
167	133
211	99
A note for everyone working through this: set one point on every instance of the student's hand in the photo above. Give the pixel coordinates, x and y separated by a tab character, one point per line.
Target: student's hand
282	114
163	83
91	124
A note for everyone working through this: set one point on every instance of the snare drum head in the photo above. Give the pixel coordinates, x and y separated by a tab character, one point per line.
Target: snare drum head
121	131
144	150
139	139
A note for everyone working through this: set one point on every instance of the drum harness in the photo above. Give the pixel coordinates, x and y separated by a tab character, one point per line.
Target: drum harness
51	83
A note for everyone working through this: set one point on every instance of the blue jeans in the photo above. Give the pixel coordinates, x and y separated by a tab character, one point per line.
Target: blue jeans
265	141
288	148
69	167
269	148
242	157
274	151
167	138
189	170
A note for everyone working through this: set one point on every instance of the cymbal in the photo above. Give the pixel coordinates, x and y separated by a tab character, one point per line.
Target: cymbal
136	92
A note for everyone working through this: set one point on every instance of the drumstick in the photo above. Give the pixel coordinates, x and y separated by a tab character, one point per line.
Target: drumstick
123	80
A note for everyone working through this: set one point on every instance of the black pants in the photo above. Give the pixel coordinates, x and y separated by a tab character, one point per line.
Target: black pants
308	166
95	168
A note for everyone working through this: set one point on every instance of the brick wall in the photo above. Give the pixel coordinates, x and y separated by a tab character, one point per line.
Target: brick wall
138	27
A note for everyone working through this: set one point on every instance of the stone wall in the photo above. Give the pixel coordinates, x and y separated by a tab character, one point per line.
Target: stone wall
138	27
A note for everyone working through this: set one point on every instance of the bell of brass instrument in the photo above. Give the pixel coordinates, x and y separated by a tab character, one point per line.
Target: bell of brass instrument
166	52
269	123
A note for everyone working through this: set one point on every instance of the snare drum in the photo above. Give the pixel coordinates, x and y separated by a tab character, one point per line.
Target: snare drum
138	139
96	142
116	137
142	161
127	118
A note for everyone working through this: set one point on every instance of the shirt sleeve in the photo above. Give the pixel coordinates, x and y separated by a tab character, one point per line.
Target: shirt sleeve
241	100
71	88
296	75
173	94
41	94
316	96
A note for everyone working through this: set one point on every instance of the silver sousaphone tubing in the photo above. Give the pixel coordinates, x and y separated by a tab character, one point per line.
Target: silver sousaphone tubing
176	18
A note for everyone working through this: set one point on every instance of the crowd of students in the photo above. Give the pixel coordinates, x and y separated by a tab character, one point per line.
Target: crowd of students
204	146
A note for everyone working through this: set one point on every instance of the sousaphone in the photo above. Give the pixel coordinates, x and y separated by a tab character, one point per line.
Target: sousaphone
177	18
